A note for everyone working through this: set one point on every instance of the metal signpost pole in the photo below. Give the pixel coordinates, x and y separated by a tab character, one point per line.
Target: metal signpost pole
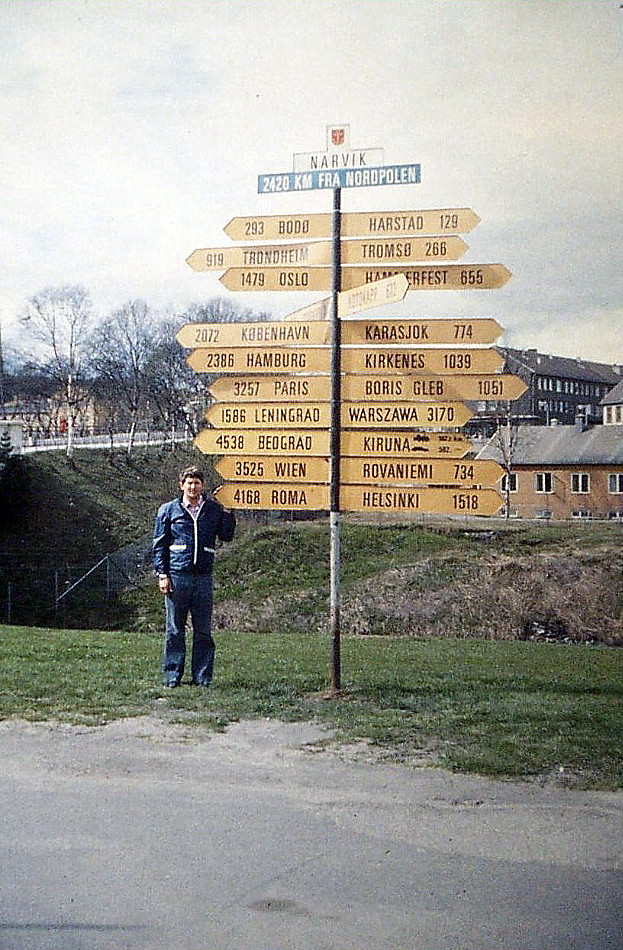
334	471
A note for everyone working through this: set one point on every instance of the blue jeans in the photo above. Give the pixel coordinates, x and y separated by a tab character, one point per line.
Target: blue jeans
192	594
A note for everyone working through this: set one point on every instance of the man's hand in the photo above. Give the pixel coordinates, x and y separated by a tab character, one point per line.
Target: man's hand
165	585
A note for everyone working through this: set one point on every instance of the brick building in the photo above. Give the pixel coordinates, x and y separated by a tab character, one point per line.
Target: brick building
560	472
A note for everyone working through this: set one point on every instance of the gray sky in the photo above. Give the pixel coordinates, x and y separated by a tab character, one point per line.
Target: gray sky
134	130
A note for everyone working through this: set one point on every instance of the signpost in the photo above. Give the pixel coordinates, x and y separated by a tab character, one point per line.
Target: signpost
322	412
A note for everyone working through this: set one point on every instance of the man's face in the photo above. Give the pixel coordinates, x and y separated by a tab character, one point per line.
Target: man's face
192	488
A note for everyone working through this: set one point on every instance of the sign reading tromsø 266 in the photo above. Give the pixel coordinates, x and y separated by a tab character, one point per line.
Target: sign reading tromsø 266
339	178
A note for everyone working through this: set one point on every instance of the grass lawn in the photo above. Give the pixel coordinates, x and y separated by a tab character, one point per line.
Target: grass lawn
496	708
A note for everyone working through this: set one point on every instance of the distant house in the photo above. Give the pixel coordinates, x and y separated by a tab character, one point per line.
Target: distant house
560	472
559	388
612	405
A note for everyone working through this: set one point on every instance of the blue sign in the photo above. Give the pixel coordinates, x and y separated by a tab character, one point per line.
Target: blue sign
339	178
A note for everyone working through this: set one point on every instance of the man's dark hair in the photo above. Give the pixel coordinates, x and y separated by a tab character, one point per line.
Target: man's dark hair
192	472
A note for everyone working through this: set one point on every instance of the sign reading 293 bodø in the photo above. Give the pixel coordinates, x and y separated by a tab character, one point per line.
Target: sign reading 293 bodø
339	178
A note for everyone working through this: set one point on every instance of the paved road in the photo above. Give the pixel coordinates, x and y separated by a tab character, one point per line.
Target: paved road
141	836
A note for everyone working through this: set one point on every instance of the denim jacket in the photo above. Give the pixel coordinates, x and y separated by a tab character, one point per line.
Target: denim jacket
185	544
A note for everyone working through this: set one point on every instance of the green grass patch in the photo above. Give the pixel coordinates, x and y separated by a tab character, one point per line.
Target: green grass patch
501	709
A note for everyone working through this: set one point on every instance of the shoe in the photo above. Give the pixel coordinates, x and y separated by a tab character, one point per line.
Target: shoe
171	685
205	685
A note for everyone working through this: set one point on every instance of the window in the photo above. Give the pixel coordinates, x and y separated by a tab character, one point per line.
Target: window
615	483
582	514
580	483
509	482
543	482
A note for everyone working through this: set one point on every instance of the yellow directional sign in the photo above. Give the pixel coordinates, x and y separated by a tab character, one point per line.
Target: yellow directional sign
428	471
476	387
263	442
276	255
376	294
398	223
269	468
276	279
261	360
270	415
426	361
218	335
398	331
388	444
279	227
430	415
271	388
457	501
281	497
431	277
377	251
354	415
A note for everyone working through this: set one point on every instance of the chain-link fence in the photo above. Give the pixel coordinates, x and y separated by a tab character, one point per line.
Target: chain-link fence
47	593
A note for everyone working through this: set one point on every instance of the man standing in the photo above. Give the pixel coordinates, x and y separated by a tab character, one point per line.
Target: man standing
185	533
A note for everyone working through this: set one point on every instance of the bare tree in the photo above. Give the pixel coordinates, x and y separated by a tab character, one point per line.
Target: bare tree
59	319
505	441
121	350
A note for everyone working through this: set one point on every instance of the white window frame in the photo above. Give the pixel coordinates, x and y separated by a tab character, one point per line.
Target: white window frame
543	478
578	480
615	483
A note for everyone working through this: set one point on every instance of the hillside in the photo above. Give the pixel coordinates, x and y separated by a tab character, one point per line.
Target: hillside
436	577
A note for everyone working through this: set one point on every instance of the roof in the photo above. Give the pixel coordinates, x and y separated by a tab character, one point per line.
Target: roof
559	445
614	396
544	365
